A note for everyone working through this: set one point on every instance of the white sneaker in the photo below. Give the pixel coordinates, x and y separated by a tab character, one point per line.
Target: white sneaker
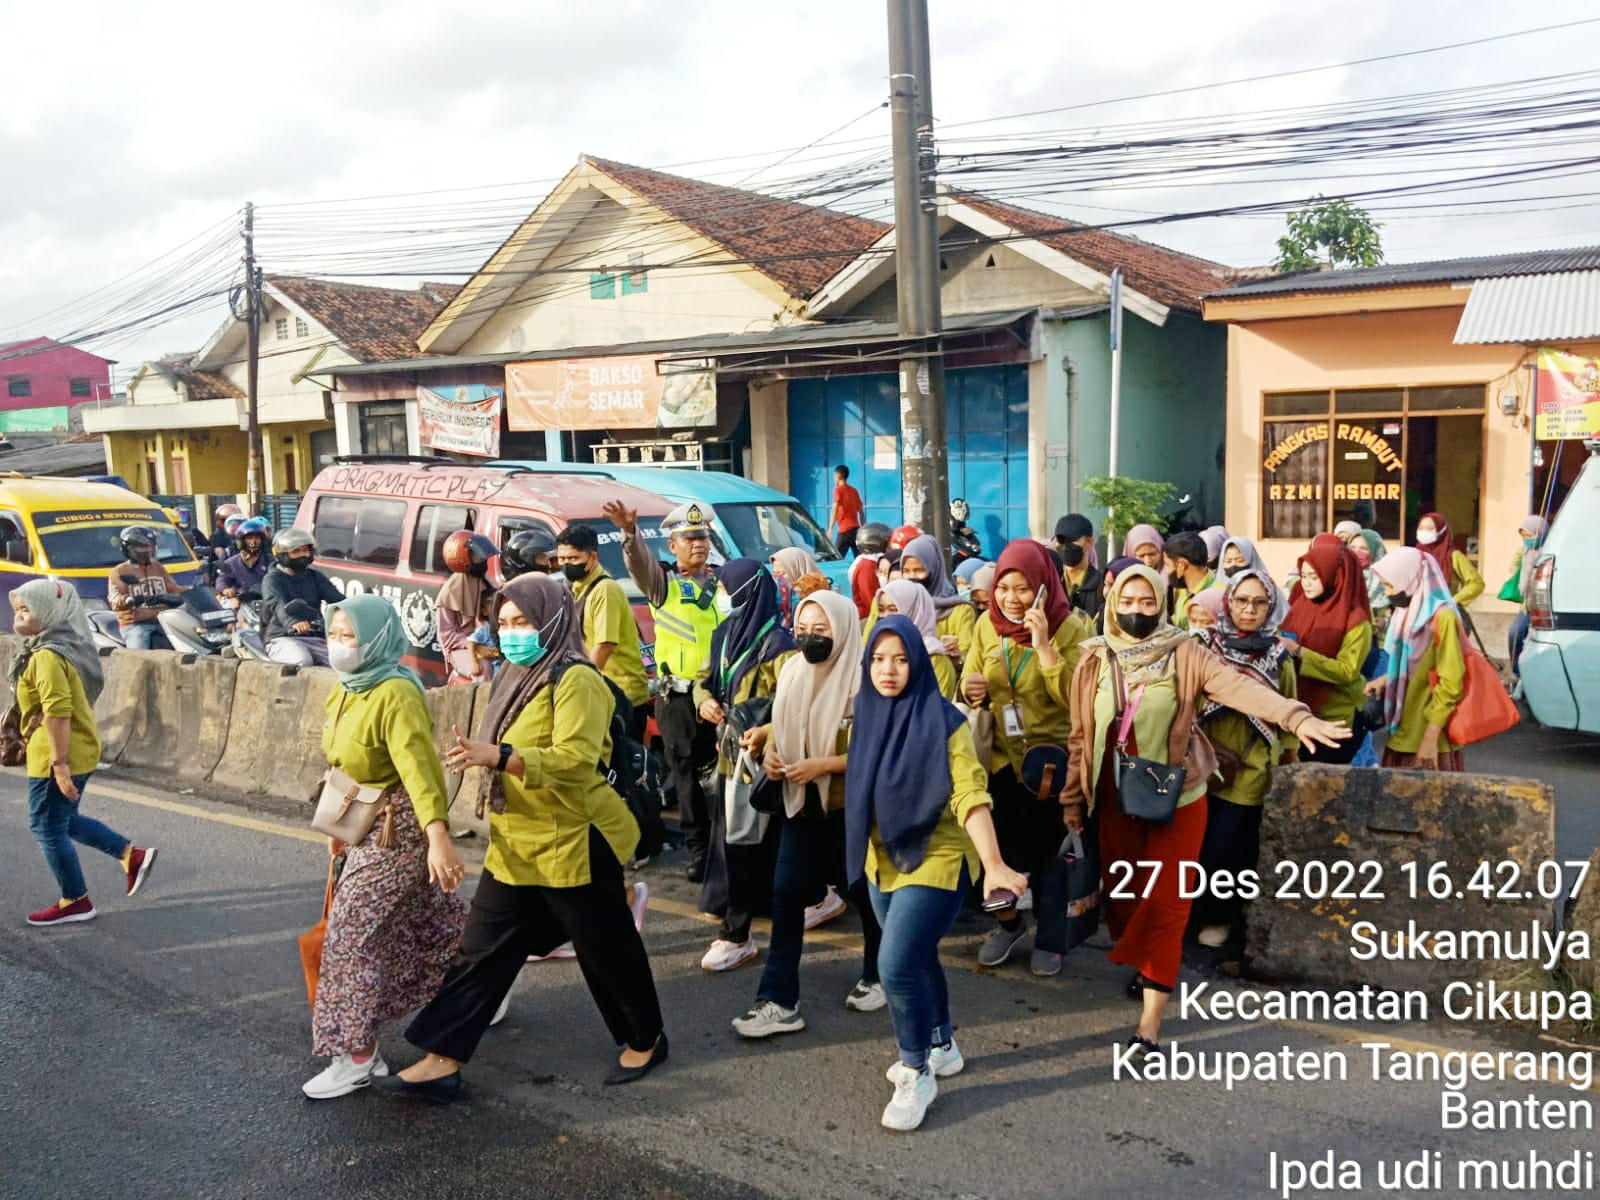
1213	936
767	1018
564	950
866	997
825	910
913	1092
942	1061
641	903
343	1076
725	955
500	1013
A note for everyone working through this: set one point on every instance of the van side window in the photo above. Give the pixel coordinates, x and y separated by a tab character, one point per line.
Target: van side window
14	545
359	531
435	522
514	525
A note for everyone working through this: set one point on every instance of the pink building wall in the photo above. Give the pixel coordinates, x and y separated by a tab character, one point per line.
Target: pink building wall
50	369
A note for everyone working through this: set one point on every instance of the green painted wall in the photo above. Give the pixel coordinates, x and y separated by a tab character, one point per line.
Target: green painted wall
1174	408
34	420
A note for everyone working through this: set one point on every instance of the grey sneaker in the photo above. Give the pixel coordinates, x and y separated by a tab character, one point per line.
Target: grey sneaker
768	1018
1001	944
1044	963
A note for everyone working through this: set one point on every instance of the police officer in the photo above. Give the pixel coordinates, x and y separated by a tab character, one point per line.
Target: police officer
683	600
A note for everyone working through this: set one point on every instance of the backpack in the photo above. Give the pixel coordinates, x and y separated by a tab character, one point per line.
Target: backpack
634	773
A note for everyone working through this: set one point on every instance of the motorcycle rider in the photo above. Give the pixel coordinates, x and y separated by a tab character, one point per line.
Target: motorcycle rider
292	596
241	575
683	600
221	537
140	577
964	540
527	550
463	605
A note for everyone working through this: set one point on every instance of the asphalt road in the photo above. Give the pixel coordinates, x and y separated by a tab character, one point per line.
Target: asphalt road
158	1051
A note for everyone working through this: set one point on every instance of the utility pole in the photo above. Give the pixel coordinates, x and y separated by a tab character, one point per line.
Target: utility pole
924	454
252	325
1116	400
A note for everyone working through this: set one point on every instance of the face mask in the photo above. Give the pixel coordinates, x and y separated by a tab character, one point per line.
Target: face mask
344	658
1072	554
1400	600
1138	625
575	572
1530	543
478	569
142	555
927	584
521	646
815	647
725	604
1427	537
299	564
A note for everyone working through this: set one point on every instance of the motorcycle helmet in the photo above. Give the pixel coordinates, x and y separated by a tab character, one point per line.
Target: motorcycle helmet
231	523
288	540
527	550
902	537
138	543
468	553
872	538
224	511
964	547
959	512
253	527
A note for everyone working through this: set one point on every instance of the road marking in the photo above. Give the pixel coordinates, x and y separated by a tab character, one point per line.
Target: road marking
205	814
228	943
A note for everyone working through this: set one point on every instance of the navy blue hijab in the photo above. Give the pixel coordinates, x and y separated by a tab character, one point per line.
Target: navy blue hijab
898	773
752	634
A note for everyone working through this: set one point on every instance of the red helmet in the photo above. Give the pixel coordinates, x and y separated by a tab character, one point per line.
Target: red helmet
901	538
224	511
467	552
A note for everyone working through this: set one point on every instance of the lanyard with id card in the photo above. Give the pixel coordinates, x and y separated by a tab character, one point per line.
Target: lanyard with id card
1011	713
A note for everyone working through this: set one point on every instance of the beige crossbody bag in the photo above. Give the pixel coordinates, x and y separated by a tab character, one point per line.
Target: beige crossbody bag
348	810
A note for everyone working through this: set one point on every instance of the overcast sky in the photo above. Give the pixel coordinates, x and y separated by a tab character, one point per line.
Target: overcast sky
126	130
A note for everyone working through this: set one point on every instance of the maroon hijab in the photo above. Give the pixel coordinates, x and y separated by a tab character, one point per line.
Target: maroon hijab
1441	550
1321	624
1041	569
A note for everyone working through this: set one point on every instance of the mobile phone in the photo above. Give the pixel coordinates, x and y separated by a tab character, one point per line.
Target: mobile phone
999	901
1038	598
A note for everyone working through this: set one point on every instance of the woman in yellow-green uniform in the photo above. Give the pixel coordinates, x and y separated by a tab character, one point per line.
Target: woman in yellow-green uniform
1425	636
395	918
57	676
1024	651
911	600
1330	621
924	564
917	826
558	836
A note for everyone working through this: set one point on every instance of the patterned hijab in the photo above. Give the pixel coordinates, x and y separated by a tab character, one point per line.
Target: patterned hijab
1146	660
1259	655
1410	571
1252	562
63	628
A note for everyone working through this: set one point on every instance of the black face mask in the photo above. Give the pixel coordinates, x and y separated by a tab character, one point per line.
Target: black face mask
141	555
816	648
926	583
298	564
1400	600
1137	624
575	572
1071	554
478	570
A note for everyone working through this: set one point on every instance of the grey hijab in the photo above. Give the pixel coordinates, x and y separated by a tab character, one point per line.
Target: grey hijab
65	629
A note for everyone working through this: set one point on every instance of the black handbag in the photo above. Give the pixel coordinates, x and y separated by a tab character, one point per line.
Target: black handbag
1146	789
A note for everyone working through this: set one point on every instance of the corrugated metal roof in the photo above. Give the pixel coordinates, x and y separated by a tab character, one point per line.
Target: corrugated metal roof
1532	308
1452	270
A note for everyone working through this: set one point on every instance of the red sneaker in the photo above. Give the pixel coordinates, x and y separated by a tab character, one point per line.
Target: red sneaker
78	910
139	864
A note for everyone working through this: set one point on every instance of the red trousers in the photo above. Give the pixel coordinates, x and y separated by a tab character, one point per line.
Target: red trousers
1148	929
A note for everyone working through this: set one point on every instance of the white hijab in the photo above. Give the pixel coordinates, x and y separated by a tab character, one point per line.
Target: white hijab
812	700
912	601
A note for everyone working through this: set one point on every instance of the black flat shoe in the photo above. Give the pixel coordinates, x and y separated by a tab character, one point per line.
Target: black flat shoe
621	1075
1135	988
445	1090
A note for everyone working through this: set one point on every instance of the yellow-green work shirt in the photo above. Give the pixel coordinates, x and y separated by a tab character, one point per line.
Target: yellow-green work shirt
608	617
950	847
1013	672
384	736
562	736
1230	730
1343	672
52	687
1426	704
1152	725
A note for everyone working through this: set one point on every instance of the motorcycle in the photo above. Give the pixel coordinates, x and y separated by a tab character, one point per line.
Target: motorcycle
195	622
247	640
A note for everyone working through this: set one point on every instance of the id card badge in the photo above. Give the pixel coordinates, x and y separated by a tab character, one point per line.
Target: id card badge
1011	720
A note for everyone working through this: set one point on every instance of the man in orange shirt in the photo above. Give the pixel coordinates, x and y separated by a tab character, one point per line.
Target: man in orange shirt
130	585
847	511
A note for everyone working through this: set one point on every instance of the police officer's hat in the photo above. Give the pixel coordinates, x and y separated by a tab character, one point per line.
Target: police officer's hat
689	520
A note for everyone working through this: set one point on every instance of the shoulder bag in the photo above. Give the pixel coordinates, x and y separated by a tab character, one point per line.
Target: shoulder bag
313	939
348	810
980	719
1147	790
15	734
1486	708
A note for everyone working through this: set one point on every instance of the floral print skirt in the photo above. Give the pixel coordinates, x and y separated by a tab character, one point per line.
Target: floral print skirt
391	934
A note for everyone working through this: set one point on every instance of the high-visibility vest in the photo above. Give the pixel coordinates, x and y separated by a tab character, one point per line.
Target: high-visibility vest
684	626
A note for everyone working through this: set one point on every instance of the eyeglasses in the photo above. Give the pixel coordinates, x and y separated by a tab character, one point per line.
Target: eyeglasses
1249	605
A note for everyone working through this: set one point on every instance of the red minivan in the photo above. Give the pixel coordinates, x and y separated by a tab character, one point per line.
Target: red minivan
380	523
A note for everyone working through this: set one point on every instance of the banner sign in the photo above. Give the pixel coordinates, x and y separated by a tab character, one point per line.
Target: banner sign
1568	396
461	420
629	392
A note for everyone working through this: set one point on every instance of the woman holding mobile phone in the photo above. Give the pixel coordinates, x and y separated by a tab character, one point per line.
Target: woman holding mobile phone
917	825
1023	652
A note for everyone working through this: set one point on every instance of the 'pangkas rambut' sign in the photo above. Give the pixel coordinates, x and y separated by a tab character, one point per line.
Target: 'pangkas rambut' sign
1357	435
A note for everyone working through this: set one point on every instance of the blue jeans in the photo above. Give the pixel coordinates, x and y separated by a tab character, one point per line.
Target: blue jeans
1517	638
145	635
915	920
57	823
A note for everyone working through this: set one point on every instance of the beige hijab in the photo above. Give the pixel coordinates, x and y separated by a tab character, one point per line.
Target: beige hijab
812	700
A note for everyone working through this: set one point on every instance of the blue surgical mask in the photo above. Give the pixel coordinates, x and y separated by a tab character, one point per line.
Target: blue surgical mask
521	646
1530	543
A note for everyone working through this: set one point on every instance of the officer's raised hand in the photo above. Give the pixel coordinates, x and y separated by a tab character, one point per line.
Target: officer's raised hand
620	515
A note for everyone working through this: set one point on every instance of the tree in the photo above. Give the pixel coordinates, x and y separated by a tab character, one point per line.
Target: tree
1131	501
1348	234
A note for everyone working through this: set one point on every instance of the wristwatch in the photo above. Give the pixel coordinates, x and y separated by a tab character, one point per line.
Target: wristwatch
505	756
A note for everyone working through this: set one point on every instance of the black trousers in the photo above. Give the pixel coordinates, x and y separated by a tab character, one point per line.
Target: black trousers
509	922
688	747
845	541
1232	843
1030	832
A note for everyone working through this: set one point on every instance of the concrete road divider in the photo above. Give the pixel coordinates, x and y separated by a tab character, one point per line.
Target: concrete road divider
182	718
274	742
1322	826
450	707
121	701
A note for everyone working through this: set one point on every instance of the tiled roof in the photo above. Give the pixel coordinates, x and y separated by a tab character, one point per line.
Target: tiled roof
372	323
200	385
1168	277
798	246
1449	270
